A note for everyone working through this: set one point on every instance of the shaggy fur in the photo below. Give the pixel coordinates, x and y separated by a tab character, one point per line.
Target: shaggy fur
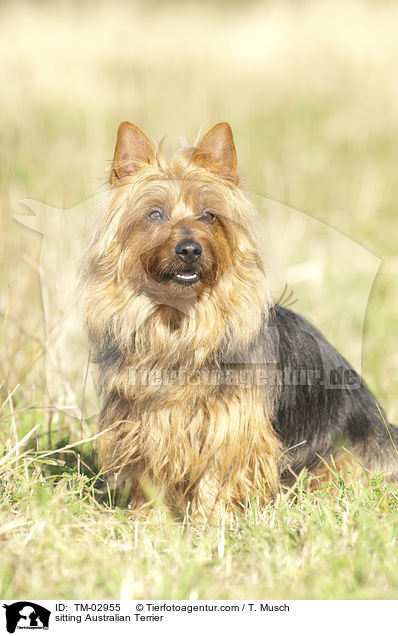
211	393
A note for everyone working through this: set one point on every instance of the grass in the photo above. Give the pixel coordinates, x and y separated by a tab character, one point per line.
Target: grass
308	91
338	543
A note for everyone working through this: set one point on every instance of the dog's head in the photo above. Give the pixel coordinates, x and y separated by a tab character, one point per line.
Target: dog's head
178	224
174	243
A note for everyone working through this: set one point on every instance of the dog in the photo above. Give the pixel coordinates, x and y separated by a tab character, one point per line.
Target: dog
212	393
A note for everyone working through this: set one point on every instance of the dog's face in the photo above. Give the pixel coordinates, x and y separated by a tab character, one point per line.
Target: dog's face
177	230
186	252
178	234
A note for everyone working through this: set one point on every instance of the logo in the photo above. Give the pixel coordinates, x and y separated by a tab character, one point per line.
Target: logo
26	615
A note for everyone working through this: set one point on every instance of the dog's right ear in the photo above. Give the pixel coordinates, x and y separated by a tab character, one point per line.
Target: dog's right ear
133	149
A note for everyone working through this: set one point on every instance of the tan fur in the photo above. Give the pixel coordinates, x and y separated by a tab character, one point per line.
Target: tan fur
169	428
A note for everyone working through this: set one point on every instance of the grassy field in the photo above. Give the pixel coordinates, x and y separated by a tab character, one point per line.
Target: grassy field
310	93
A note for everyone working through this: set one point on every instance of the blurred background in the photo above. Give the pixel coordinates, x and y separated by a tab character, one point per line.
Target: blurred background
310	91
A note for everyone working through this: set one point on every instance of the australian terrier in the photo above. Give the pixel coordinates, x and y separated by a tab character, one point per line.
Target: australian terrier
212	393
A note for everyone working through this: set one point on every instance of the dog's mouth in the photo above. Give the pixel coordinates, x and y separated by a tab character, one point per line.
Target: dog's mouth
180	275
186	278
183	277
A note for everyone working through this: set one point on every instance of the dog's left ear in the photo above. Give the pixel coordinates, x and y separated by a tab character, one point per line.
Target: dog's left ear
217	149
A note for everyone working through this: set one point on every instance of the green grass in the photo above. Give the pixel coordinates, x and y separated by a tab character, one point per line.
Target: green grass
308	91
63	537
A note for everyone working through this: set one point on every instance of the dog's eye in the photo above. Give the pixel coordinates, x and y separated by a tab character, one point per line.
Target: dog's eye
208	217
155	215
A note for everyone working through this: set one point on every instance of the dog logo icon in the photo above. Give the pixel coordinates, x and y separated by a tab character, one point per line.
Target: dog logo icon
26	615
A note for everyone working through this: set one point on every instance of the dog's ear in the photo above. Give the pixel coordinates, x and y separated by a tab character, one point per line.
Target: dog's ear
217	148
132	150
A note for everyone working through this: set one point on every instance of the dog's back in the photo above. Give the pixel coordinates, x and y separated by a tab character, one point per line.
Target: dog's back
322	406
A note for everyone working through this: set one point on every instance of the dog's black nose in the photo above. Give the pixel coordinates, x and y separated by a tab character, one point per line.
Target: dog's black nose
188	251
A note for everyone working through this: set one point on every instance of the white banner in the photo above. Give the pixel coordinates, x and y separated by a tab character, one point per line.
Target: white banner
312	618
